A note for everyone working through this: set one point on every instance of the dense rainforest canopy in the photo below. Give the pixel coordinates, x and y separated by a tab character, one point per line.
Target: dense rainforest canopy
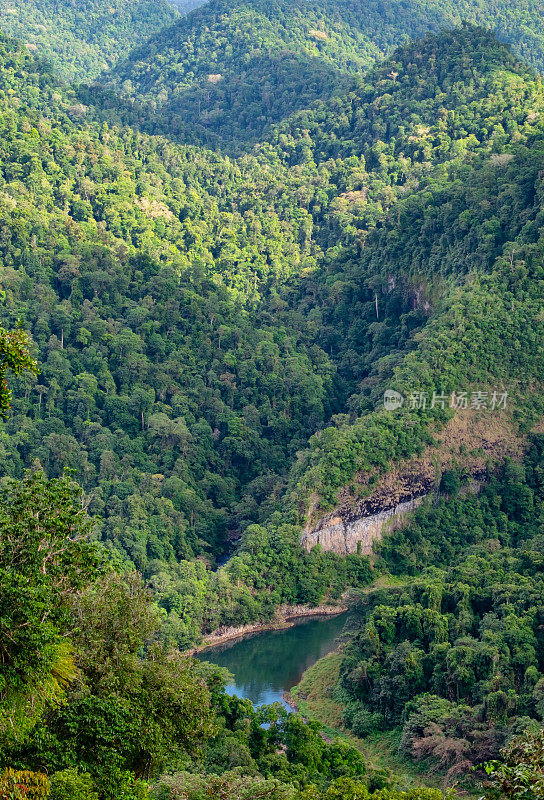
81	40
227	72
209	277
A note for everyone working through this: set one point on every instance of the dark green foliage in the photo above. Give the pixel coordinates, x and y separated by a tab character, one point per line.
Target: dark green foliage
450	482
418	302
456	655
44	555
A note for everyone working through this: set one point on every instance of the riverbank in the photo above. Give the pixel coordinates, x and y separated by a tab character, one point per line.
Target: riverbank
313	698
284	617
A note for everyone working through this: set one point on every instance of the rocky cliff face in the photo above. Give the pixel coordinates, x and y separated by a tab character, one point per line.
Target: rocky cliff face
345	535
471	440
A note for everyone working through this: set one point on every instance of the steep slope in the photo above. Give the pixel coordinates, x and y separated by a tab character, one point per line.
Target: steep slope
454	259
447	663
227	72
198	317
148	274
82	39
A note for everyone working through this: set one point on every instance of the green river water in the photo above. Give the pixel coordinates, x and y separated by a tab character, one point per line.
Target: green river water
267	664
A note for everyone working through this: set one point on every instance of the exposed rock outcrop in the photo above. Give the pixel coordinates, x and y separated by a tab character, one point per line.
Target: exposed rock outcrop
343	535
471	441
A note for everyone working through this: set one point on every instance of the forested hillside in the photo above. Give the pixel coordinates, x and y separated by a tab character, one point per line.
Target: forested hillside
82	39
145	266
202	342
197	318
174	382
227	72
454	656
460	243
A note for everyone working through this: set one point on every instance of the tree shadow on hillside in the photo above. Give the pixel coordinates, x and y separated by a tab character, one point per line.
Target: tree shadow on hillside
228	111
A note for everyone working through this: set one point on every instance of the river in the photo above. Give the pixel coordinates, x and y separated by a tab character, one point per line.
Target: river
267	664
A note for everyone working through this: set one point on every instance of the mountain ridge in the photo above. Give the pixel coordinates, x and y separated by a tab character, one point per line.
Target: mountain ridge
80	41
228	71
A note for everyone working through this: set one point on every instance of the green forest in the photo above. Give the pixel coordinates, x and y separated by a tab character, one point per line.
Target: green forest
454	654
226	73
81	40
223	236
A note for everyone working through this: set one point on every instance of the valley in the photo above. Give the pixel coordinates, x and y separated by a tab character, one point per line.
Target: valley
271	345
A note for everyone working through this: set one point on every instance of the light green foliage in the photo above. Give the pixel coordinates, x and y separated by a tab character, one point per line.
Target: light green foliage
115	615
186	786
82	41
69	784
